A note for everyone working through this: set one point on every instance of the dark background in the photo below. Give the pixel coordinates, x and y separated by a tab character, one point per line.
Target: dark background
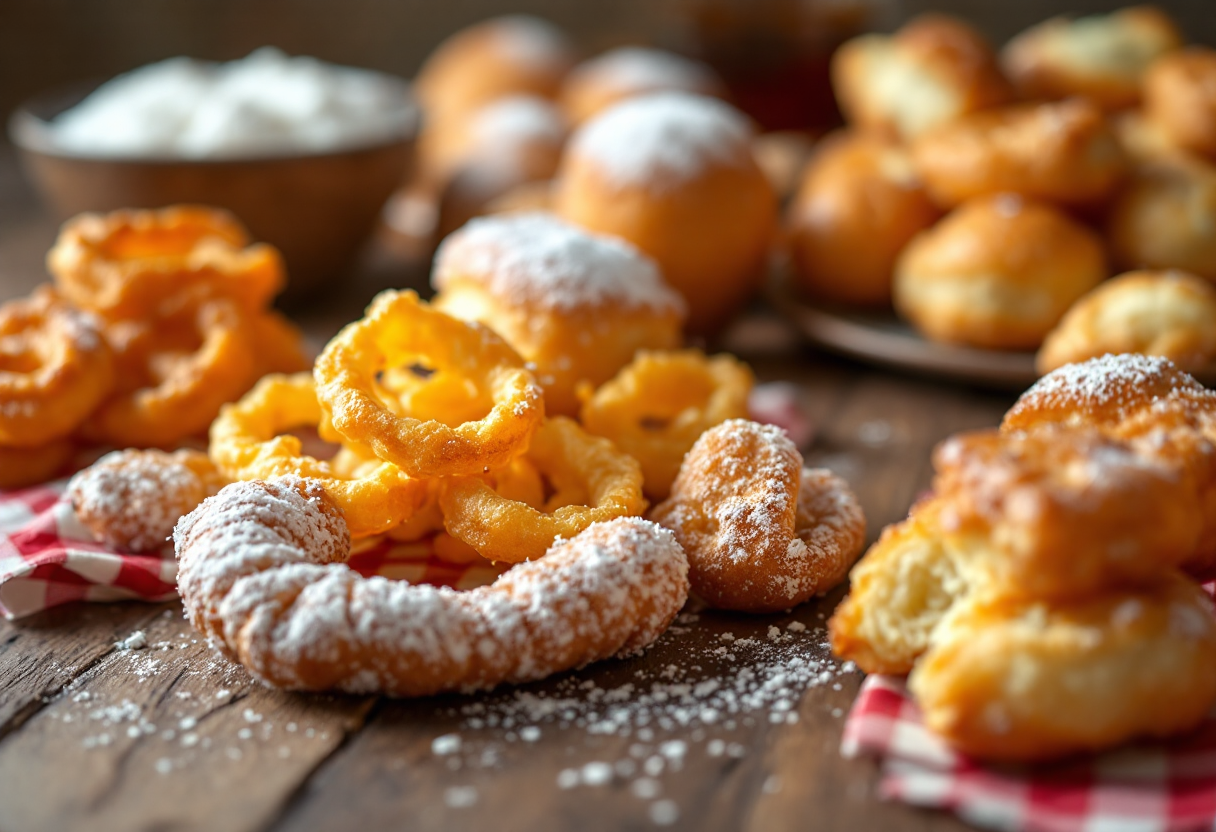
44	43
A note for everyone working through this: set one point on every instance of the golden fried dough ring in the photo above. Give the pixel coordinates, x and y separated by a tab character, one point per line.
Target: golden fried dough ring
124	263
1067	512
23	467
761	533
175	372
249	441
1021	680
1168	313
660	404
1064	152
593	481
279	345
260	575
397	330
54	369
130	500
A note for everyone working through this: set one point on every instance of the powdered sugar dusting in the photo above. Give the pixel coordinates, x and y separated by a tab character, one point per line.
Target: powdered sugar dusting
542	261
505	128
1111	382
664	139
531	41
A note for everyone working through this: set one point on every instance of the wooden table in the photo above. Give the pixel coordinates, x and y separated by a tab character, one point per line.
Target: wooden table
171	737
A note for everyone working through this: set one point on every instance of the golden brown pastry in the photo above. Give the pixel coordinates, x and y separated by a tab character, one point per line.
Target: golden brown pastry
1167	313
1064	152
674	174
933	70
598	83
1180	96
782	155
1141	138
1027	680
577	304
510	142
997	272
1102	57
1165	217
762	533
859	204
513	54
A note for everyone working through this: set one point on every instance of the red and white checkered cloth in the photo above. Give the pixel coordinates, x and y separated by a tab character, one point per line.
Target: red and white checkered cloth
1149	787
47	558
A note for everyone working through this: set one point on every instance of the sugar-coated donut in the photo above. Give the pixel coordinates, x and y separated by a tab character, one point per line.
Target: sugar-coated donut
674	174
512	54
1102	57
1164	217
575	303
1180	96
859	204
629	71
1142	138
997	272
1167	313
1027	680
762	533
1064	152
130	500
261	573
933	70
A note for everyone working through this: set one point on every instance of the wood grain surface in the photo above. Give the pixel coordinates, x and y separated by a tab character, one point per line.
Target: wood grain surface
172	737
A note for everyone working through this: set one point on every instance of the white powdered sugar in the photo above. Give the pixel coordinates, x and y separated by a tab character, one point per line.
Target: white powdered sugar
632	70
663	140
539	260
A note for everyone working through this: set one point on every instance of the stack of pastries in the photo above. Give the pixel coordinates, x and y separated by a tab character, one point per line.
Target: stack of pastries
153	320
987	194
1044	597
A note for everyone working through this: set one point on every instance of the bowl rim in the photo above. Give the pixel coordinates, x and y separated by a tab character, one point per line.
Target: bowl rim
29	129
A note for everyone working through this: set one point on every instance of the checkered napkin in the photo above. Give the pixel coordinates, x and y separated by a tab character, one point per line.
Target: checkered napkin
1151	787
47	558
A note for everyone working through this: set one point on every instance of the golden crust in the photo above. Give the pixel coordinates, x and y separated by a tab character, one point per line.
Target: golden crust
1064	152
859	204
1067	512
1162	219
1166	313
1102	57
1180	96
761	534
997	272
1025	680
933	70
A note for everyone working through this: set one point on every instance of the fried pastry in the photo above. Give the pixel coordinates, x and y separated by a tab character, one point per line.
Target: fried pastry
1167	313
997	272
762	533
674	174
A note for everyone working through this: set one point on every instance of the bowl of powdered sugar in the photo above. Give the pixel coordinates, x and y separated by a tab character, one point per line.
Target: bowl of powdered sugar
304	152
